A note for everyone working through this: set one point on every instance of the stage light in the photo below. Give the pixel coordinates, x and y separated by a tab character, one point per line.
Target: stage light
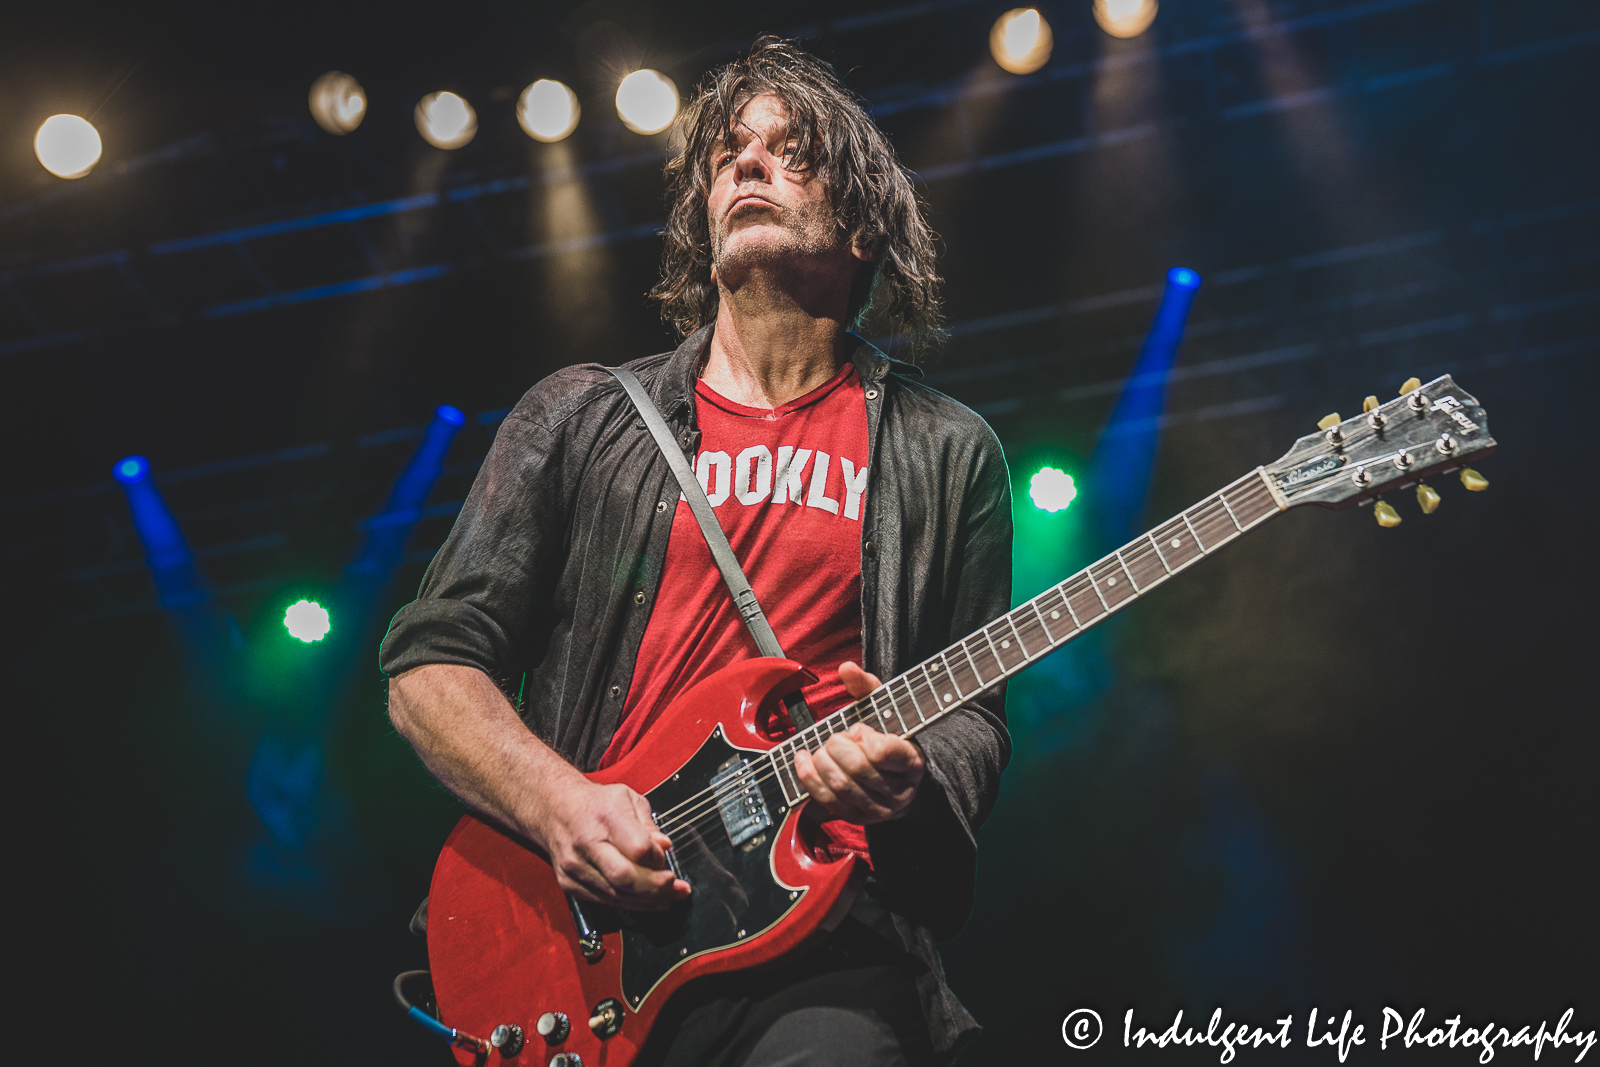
307	621
647	101
451	414
445	120
547	110
67	146
131	470
1184	278
1020	40
1052	489
1125	18
338	102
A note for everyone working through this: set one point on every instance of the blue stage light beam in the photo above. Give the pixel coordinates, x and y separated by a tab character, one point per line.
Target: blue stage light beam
1124	457
171	562
387	531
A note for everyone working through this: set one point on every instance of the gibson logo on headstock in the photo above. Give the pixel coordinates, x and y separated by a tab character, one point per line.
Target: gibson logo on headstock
1307	472
1451	406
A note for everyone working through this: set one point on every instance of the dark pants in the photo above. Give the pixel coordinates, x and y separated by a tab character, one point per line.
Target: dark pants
850	999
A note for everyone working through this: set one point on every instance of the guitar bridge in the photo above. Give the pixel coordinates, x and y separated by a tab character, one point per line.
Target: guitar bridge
743	809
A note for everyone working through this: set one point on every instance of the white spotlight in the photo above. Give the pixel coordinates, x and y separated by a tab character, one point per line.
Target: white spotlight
445	120
338	102
547	110
1125	18
647	101
1020	40
67	146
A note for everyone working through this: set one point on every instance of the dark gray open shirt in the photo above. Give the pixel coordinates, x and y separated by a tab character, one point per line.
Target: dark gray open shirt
547	581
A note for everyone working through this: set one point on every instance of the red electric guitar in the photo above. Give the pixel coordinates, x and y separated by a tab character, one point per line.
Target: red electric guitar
546	979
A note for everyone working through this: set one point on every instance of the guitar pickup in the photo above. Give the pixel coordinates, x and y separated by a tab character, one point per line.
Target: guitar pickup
744	811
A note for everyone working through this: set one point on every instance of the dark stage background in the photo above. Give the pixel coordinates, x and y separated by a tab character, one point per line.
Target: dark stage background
1338	766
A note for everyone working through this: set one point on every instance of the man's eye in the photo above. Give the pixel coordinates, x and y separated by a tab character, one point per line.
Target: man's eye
723	159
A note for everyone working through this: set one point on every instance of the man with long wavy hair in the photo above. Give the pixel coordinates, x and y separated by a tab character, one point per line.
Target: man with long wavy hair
871	514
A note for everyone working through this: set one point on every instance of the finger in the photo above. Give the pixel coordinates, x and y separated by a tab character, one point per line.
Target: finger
855	802
633	832
851	759
806	769
641	807
630	884
857	682
892	756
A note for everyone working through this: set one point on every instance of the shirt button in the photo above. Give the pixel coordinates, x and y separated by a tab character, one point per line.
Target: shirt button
661	505
638	598
616	690
869	548
872	394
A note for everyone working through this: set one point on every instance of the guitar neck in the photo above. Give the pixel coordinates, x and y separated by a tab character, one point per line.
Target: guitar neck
909	702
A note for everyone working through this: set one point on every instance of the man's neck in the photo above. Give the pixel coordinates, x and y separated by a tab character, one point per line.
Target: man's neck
767	351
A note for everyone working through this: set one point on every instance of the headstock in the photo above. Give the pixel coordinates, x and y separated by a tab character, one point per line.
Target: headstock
1427	430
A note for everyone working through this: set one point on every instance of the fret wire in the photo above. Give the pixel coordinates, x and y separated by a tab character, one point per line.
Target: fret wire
785	762
1049	637
1077	623
1136	551
1235	512
951	675
1159	554
1089	573
933	690
1223	496
977	675
1197	542
889	699
994	651
1125	570
1140	552
1017	635
912	693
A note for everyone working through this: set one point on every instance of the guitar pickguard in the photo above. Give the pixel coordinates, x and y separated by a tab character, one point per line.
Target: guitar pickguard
737	894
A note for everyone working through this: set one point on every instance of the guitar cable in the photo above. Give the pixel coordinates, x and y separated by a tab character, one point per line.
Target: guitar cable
456	1037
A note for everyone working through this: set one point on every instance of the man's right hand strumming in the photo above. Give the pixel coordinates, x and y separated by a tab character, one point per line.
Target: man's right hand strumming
605	847
601	839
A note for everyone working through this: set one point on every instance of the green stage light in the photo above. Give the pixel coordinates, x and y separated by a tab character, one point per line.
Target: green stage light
1052	489
307	620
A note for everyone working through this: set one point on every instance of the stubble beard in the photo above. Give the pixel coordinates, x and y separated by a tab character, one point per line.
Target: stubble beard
787	241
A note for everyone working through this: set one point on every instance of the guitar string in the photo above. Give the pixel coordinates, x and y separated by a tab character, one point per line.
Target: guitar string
708	801
1139	550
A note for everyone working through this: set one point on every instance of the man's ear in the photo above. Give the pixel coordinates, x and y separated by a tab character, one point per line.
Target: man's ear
866	255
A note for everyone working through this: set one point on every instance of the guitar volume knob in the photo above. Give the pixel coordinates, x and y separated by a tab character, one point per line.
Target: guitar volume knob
553	1026
566	1059
507	1037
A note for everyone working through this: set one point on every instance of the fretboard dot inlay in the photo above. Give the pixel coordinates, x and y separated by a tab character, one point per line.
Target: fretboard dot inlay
1111	581
1006	643
1055	614
948	698
1177	542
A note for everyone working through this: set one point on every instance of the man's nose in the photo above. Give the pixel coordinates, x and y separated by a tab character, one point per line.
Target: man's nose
753	162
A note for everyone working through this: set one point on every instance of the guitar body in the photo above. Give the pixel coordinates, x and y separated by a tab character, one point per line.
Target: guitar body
503	940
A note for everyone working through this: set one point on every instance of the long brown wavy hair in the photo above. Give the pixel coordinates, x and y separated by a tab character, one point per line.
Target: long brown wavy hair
869	190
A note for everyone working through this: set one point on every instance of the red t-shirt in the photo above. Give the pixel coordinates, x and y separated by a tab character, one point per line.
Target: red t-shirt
788	487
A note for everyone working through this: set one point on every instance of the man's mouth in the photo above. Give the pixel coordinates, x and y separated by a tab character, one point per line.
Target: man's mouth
750	198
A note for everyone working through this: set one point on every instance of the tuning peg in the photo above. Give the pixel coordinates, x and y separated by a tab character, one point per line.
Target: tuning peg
1385	513
1474	481
1328	422
1427	498
1409	385
1369	404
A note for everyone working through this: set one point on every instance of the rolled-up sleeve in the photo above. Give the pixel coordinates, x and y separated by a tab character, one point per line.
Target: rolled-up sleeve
485	600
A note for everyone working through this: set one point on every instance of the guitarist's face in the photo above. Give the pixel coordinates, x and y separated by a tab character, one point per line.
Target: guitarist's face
765	213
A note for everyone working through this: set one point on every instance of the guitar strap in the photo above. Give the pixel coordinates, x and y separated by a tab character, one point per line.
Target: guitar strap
744	598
